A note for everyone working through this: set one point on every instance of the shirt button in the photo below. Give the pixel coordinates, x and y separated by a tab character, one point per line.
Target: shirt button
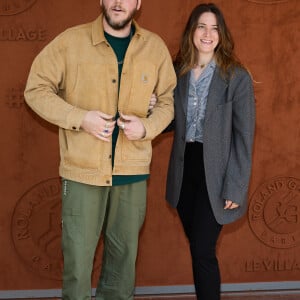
74	127
114	81
109	156
107	181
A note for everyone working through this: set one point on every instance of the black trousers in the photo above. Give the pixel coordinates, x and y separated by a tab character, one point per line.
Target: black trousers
200	225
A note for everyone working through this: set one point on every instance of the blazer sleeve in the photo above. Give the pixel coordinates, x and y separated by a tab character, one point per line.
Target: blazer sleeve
238	170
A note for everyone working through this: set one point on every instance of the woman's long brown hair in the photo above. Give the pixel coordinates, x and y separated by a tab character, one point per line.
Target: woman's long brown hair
188	54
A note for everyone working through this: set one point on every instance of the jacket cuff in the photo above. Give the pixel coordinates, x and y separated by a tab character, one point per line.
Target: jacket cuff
148	125
234	192
75	118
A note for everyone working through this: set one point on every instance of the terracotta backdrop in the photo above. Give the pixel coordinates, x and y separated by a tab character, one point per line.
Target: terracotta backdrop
263	246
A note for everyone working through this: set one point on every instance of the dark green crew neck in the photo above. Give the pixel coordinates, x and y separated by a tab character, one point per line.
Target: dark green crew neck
120	45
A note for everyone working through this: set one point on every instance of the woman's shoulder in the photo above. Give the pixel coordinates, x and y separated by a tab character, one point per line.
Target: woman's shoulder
240	72
237	74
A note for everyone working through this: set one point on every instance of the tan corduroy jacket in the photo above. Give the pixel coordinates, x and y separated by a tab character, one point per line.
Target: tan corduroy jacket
78	72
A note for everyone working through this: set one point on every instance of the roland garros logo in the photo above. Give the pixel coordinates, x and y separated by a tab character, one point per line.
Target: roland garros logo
13	7
274	212
36	229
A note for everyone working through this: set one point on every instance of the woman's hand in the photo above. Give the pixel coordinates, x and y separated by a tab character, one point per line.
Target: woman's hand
230	205
152	103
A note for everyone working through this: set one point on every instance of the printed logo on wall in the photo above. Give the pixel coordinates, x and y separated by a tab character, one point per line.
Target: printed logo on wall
13	7
36	229
274	212
15	97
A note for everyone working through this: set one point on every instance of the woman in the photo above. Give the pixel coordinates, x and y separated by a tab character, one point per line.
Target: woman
210	162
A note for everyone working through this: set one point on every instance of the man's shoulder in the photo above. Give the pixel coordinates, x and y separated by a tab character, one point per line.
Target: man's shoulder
76	30
71	36
151	36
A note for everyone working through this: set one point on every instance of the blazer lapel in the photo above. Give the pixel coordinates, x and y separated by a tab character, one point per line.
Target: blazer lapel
184	91
216	90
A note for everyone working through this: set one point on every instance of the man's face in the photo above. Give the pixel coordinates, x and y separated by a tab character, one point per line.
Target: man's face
119	13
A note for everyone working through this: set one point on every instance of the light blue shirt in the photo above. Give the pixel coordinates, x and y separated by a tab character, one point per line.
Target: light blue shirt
197	100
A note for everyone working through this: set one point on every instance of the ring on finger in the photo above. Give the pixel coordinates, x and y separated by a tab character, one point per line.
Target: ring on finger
105	130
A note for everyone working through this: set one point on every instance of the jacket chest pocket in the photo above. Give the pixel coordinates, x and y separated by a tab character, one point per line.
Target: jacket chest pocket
87	86
144	78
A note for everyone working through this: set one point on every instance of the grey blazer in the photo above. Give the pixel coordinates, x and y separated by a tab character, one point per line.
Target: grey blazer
227	142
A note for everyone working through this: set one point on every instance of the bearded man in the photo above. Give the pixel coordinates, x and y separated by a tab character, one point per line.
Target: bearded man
95	82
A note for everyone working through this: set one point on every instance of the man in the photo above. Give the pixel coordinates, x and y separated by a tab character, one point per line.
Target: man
94	81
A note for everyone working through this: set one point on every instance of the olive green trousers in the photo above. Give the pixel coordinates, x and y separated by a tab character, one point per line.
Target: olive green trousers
87	211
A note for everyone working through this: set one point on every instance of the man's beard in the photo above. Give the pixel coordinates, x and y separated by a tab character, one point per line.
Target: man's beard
118	25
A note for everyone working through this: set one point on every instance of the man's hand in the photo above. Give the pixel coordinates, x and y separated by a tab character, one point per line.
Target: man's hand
98	124
132	126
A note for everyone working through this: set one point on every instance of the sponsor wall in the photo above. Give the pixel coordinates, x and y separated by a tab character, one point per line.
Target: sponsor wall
262	247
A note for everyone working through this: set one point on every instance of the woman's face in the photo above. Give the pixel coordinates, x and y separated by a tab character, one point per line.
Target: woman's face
206	35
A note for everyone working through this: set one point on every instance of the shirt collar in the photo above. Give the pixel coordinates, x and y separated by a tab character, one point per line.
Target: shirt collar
212	64
210	68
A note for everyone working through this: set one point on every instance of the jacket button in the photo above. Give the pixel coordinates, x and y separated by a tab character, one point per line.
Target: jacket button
107	181
74	127
114	81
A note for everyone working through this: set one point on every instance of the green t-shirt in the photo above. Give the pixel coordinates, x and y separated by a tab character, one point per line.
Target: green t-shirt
120	46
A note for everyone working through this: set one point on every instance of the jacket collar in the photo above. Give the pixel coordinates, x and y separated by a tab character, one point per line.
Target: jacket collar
98	31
